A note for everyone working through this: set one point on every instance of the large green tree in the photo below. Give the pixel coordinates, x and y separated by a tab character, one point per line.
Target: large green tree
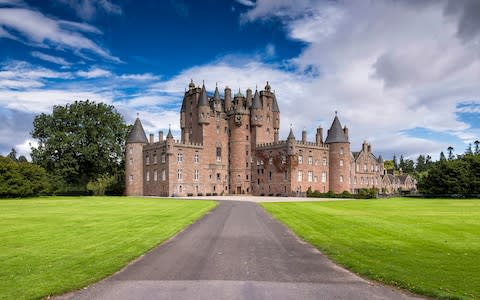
80	142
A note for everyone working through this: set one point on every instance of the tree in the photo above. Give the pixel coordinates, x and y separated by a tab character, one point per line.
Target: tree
401	164
19	179
469	149
80	142
395	164
442	156
421	164
450	152
477	147
13	154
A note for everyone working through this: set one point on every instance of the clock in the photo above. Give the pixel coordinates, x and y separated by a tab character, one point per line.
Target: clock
238	119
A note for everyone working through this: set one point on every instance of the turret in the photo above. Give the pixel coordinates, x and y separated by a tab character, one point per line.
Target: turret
304	135
203	107
170	141
339	157
239	101
228	99
319	136
291	142
134	160
249	98
256	110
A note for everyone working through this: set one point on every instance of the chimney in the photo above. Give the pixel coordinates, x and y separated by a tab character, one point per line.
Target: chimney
228	98
160	136
151	138
304	135
345	131
319	136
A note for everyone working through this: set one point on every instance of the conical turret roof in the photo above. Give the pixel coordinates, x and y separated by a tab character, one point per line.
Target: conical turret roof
203	97
256	100
275	104
137	134
291	136
216	95
336	133
169	134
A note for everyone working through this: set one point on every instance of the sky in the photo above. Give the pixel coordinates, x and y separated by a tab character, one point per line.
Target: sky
402	74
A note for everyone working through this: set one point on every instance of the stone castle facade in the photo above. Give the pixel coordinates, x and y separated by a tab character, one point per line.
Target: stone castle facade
231	146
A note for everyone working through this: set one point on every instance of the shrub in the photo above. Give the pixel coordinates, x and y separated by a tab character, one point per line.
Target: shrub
22	179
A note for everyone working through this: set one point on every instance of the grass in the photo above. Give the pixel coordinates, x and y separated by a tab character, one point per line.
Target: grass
50	246
430	247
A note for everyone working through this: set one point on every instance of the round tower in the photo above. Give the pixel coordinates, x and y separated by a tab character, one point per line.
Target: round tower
134	160
339	157
239	143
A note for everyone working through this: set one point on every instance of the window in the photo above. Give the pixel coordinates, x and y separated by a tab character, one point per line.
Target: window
355	180
147	160
218	176
285	175
163	158
155	175
324	161
180	157
372	168
154	158
341	178
365	168
341	151
357	167
310	176
130	178
310	160
324	177
299	176
270	161
341	163
376	168
196	175
270	175
164	175
196	158
300	159
247	137
148	175
179	174
219	153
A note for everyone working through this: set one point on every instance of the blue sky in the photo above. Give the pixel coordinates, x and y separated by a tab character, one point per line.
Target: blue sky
403	75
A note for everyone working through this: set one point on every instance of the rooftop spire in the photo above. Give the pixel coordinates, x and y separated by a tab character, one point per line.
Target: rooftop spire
169	135
137	134
336	134
216	95
203	97
291	136
256	100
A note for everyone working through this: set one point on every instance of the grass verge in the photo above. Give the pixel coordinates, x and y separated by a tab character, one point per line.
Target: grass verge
430	247
53	245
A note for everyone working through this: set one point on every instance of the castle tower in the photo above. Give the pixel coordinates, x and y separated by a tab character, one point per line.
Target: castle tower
339	157
276	118
134	160
239	152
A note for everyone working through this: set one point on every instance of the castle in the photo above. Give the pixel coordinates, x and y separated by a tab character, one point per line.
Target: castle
232	146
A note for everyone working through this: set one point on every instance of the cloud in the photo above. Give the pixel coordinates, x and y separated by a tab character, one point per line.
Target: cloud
50	58
34	28
140	77
89	9
94	73
246	2
22	75
386	66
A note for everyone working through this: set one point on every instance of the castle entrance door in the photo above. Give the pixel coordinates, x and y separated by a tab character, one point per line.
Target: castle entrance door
239	190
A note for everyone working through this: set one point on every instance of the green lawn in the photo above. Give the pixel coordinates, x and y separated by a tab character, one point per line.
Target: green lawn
430	247
53	245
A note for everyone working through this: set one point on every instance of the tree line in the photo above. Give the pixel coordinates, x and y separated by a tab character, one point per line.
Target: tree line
80	151
450	175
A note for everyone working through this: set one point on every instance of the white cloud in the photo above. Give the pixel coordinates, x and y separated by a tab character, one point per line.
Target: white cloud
94	73
88	9
246	2
43	31
19	74
386	66
140	77
50	58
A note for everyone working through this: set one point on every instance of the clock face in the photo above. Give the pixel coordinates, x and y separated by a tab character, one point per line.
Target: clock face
238	119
